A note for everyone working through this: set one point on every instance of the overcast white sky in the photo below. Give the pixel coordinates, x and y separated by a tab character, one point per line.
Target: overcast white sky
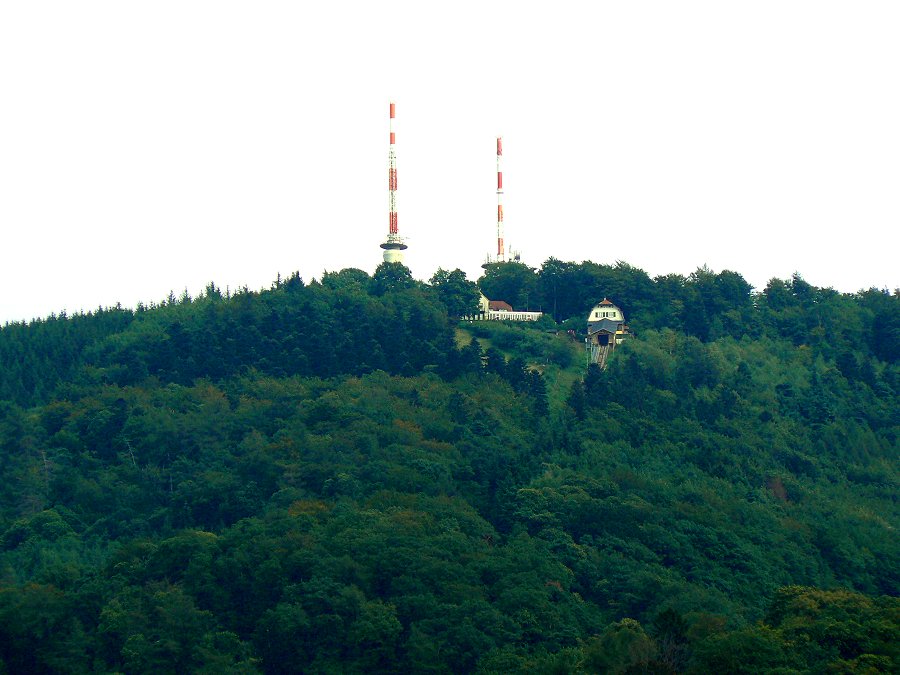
155	146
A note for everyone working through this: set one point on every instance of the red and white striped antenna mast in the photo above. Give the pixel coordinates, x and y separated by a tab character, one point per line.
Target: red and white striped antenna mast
501	251
501	244
393	245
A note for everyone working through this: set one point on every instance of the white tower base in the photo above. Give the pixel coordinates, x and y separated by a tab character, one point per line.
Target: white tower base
393	249
393	255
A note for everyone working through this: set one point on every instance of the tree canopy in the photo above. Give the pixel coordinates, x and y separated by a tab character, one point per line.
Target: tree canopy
339	476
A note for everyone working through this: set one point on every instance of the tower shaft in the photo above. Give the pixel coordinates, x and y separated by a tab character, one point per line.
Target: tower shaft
501	251
392	177
393	246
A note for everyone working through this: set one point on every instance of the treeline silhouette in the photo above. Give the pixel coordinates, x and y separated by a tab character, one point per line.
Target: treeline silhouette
338	476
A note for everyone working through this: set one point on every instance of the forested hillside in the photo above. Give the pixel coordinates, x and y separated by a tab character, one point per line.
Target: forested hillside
340	476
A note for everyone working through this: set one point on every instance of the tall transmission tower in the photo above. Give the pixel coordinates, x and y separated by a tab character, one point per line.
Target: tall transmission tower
501	244
501	251
393	246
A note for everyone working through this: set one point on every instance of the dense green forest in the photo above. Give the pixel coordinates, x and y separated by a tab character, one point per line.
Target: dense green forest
341	476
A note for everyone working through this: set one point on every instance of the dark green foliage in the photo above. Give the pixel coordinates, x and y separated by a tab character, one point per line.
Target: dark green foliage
347	279
537	389
884	335
459	295
309	330
576	400
391	277
527	341
36	357
316	478
513	283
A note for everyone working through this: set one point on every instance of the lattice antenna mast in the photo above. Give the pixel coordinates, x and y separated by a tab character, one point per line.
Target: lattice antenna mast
393	245
501	250
392	175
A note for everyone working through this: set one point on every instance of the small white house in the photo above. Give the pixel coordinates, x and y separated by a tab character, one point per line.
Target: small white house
606	328
498	310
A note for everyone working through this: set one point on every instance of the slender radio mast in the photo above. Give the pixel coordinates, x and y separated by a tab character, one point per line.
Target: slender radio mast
501	251
393	245
501	245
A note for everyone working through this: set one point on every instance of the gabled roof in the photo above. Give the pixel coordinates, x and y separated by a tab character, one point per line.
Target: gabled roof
500	306
605	303
608	325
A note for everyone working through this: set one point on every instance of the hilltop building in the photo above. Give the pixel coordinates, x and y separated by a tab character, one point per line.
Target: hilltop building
606	328
498	310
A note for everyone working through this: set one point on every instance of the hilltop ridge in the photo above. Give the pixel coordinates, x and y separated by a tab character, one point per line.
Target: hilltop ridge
341	476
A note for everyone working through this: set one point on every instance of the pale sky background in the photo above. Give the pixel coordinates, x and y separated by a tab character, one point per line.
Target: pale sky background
155	146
